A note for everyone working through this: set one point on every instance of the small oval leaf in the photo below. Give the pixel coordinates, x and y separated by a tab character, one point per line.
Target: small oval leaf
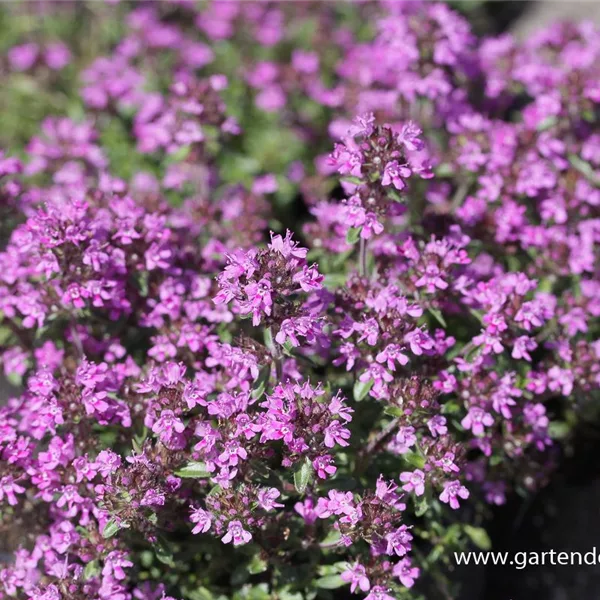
330	582
110	529
353	235
361	389
478	536
193	470
303	476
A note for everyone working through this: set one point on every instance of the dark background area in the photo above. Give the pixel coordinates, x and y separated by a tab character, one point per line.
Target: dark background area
564	516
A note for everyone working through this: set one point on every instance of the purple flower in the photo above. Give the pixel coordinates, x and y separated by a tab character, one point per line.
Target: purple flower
395	174
356	576
236	533
336	433
418	341
267	498
522	346
379	593
167	426
306	510
324	466
476	420
405	572
107	462
404	440
153	498
114	564
392	354
453	490
8	489
202	519
135	301
23	57
413	481
57	56
398	541
258	300
437	425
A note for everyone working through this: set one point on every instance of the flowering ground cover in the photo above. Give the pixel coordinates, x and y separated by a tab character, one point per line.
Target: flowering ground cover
292	293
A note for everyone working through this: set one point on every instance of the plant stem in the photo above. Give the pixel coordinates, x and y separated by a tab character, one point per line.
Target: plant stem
363	257
276	353
375	444
459	195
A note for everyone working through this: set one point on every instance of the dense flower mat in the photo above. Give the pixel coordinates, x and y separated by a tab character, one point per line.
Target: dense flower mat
290	292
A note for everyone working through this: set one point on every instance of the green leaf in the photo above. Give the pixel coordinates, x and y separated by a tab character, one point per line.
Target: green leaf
14	379
268	337
444	170
353	235
330	582
260	385
179	155
584	168
477	314
288	349
216	489
201	593
193	470
361	389
559	430
421	505
142	282
547	123
334	569
547	284
393	411
414	459
496	459
335	280
163	551
110	529
352	179
138	441
257	565
450	407
239	576
395	196
303	476
438	316
91	570
331	539
478	536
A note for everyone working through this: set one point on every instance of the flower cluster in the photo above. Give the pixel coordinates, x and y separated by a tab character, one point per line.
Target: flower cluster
280	320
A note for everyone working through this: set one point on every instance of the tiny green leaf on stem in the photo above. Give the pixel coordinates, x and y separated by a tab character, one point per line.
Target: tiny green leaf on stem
330	582
303	476
421	506
163	552
193	470
352	179
478	536
361	389
110	529
260	385
584	168
414	459
91	570
331	539
439	317
353	235
257	565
